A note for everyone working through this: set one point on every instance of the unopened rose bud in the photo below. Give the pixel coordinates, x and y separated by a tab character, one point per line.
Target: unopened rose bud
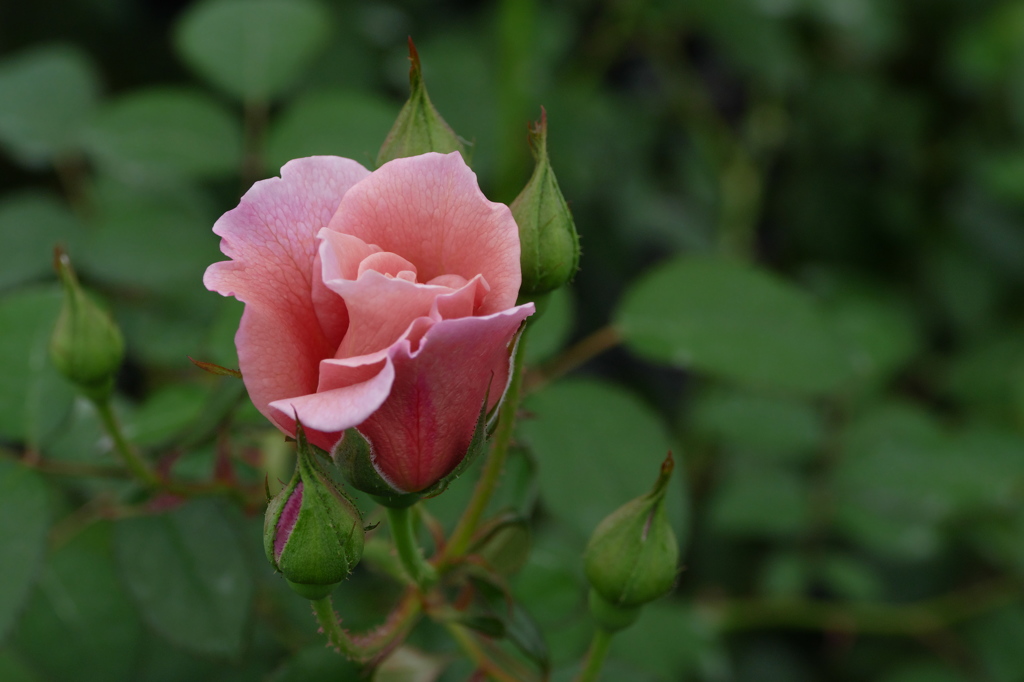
632	557
549	246
312	533
419	128
86	345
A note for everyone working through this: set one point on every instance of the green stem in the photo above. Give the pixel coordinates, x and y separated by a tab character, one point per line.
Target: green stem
463	533
403	534
138	466
377	643
339	639
911	619
596	656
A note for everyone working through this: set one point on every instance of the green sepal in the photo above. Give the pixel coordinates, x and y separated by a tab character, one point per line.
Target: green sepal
354	456
610	616
311	591
419	128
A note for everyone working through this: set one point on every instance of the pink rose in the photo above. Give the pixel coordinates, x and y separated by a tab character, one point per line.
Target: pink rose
383	301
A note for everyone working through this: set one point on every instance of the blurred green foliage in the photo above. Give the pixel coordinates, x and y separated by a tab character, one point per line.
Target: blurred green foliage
803	219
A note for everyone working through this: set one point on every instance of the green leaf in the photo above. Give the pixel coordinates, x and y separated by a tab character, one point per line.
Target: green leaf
166	412
164	130
985	376
148	236
762	501
12	669
160	661
850	578
923	671
597	447
672	641
317	662
79	624
1001	541
164	331
995	643
252	49
24	522
349	124
900	462
187	574
899	477
513	621
785	575
880	337
31	224
551	585
735	322
777	428
46	96
34	398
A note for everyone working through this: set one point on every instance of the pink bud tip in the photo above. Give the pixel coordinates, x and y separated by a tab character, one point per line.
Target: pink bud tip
286	522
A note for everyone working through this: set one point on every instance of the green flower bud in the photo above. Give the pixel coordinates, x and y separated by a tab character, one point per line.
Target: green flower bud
632	557
549	246
86	345
312	533
419	128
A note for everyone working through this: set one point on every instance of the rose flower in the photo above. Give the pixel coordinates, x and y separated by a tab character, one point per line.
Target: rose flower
380	301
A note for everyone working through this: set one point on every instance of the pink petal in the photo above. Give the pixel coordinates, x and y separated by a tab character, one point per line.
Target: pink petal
341	254
382	308
430	210
271	239
327	414
386	263
424	427
462	302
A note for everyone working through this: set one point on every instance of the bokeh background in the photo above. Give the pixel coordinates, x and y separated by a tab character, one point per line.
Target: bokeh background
803	256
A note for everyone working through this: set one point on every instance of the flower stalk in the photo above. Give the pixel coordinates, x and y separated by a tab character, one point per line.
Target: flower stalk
132	459
596	656
376	644
403	533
